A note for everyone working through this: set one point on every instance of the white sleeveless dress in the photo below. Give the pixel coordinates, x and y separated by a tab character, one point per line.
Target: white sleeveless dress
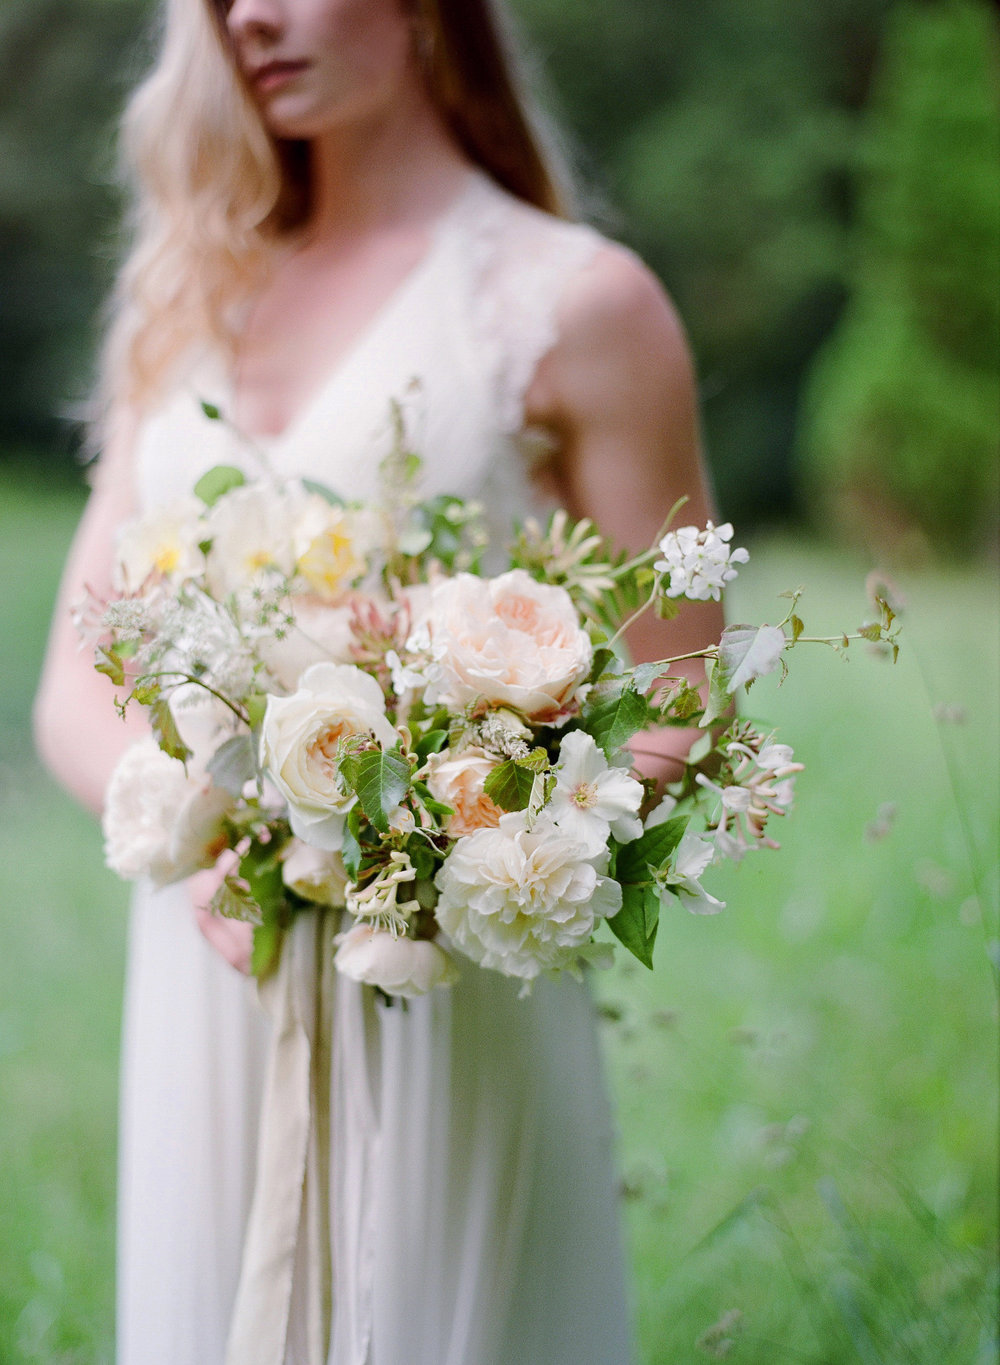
357	1184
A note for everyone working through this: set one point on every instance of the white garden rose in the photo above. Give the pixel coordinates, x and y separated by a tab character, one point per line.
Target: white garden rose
314	873
164	543
299	742
161	821
522	901
457	780
396	964
509	641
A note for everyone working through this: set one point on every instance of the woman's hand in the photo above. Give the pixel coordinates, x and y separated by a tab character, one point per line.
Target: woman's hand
232	938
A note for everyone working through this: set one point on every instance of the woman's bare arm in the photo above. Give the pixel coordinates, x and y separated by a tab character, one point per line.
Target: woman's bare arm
78	733
618	390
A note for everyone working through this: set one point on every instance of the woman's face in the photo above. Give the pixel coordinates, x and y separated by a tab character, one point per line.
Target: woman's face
314	65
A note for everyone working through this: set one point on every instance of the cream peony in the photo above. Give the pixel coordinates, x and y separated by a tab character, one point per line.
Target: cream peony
164	543
299	742
522	901
396	964
457	780
161	821
313	873
509	641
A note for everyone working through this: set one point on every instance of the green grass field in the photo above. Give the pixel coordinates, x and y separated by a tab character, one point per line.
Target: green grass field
806	1085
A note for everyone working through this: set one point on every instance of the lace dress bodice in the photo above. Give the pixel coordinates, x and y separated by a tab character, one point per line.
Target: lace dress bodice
457	344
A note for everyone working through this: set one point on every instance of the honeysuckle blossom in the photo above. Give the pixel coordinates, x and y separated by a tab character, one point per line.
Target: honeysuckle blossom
762	785
699	563
591	799
378	900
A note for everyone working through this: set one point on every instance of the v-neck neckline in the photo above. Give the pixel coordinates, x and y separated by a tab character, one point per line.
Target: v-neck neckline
368	330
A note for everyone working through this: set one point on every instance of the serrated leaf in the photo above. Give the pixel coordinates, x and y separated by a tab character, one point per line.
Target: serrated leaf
381	778
217	481
233	764
146	693
321	489
638	861
166	732
109	662
871	631
644	675
602	658
612	722
233	901
637	921
509	785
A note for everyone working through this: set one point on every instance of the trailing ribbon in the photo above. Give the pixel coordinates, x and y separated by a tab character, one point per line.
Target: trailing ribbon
306	1281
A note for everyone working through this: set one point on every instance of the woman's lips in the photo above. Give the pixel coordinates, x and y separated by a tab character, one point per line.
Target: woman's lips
273	75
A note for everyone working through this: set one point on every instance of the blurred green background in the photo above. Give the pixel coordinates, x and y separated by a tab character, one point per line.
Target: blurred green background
807	1085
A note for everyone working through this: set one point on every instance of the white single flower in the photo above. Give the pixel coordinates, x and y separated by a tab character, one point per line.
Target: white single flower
394	963
161	821
164	543
699	563
313	873
691	858
508	641
300	740
523	901
261	528
592	800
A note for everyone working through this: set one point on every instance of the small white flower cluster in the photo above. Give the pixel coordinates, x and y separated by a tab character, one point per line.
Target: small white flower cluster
699	563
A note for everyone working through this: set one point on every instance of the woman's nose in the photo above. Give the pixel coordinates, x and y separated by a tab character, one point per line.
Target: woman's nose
255	18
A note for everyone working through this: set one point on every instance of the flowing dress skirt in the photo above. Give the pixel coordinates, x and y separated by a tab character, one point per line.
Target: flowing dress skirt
470	1212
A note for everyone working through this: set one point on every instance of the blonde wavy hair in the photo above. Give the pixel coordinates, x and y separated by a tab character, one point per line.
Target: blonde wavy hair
213	193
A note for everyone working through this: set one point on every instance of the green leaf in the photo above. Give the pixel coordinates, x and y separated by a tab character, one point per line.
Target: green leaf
260	868
110	664
267	941
719	700
509	785
637	921
233	764
321	489
211	411
797	625
165	729
217	481
431	743
381	779
601	663
146	693
351	850
614	721
638	861
644	675
233	901
256	705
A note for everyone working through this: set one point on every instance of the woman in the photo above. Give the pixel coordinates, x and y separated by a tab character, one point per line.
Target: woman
337	198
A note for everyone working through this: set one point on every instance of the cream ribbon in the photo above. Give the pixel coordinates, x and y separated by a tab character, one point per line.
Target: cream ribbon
306	1281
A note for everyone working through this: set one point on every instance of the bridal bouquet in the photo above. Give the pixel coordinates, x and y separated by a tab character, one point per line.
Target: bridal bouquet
342	701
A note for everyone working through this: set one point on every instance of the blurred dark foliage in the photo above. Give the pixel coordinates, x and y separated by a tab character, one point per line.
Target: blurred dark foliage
719	138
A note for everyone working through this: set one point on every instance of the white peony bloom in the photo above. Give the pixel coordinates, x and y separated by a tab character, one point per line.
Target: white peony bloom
395	964
522	901
691	858
592	800
163	543
161	821
314	874
699	563
509	641
299	742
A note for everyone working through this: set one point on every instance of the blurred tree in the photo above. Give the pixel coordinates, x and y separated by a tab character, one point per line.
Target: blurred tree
903	409
65	77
